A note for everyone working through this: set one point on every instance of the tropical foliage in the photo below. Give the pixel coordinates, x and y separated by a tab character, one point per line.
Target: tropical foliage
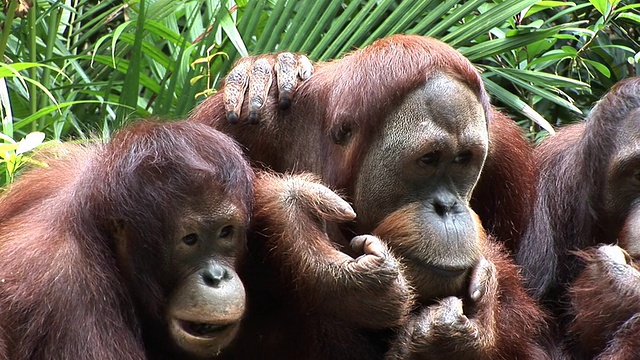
78	68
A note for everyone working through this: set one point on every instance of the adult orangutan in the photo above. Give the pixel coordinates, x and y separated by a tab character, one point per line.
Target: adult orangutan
401	127
587	195
503	196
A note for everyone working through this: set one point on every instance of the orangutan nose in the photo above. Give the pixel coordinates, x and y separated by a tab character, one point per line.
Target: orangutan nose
444	203
214	274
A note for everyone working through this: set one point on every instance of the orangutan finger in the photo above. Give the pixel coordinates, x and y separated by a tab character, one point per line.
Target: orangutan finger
259	84
451	311
286	68
329	205
318	199
305	67
614	254
368	245
482	278
235	86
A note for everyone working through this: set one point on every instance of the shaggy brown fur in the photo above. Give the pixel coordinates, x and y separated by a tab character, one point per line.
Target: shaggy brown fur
354	124
70	287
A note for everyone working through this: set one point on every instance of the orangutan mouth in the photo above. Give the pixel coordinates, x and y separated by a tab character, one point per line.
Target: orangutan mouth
203	330
440	270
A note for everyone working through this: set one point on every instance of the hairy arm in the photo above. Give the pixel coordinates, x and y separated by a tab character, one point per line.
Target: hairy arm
296	215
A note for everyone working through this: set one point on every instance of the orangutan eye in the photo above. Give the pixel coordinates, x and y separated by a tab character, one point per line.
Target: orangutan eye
226	231
190	239
341	134
636	176
463	158
431	158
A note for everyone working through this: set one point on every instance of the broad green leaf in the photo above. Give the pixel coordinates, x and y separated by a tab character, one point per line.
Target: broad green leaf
544	5
600	5
250	19
568	12
116	36
614	46
627	7
320	26
539	47
342	30
498	46
160	9
378	14
432	23
603	69
52	108
405	13
92	21
544	79
275	26
42	88
151	51
164	32
7	70
569	50
629	16
440	27
131	85
305	26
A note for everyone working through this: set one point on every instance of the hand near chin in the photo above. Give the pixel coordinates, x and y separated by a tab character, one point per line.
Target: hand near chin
458	327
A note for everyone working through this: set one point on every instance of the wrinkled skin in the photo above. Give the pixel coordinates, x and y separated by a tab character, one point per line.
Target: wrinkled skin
408	152
143	253
254	76
206	297
425	168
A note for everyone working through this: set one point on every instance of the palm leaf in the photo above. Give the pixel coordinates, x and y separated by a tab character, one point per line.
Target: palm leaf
327	29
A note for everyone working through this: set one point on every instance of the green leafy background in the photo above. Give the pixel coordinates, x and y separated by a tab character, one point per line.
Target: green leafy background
76	69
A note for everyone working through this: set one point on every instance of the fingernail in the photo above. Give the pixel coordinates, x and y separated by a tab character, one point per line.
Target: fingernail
284	103
253	117
232	116
348	212
475	295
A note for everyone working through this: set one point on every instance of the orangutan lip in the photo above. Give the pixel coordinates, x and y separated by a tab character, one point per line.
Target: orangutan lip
203	329
444	271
